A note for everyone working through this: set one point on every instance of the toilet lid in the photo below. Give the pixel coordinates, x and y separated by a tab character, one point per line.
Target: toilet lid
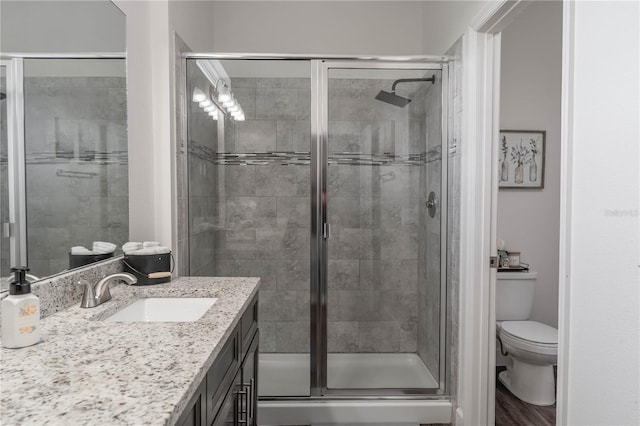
532	331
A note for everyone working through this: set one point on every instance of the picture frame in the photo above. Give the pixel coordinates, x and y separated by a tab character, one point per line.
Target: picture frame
521	159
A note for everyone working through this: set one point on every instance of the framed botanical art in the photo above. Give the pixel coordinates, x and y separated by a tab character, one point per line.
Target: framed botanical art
521	162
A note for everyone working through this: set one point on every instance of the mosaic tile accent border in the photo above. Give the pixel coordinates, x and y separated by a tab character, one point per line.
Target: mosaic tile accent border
285	158
64	157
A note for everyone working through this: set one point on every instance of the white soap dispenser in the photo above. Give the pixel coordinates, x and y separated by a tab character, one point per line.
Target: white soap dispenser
20	313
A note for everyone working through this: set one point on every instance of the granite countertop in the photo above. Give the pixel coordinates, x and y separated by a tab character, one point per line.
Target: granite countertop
86	371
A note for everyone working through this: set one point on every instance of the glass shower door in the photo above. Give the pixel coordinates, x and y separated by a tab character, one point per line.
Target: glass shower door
383	265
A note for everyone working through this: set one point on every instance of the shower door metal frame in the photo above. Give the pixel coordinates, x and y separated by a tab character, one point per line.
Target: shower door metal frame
318	250
320	229
16	228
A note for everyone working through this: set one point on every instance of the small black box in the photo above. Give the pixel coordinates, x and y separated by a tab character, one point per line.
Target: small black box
143	265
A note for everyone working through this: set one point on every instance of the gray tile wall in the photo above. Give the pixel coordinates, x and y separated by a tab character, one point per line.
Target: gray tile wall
430	241
74	124
264	213
374	213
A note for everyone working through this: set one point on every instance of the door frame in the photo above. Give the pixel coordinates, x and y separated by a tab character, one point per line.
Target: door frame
320	228
479	188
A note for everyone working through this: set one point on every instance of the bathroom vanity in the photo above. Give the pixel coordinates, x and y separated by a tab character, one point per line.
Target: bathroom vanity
91	371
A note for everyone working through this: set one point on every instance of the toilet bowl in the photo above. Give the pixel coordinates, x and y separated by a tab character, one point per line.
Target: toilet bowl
532	347
533	351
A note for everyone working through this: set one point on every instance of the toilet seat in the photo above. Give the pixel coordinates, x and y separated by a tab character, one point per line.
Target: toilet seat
531	336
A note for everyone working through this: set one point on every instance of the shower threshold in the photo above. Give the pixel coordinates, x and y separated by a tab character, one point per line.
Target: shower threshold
288	374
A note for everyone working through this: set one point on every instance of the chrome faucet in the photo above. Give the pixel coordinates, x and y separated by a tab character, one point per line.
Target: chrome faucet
93	297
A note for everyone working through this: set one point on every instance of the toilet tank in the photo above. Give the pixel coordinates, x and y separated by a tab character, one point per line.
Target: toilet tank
514	295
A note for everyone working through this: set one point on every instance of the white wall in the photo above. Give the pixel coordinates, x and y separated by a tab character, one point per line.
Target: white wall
193	21
599	369
340	27
530	98
150	26
61	26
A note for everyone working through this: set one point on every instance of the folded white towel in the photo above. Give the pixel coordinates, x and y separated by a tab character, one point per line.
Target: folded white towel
131	246
162	250
150	244
103	247
149	250
80	250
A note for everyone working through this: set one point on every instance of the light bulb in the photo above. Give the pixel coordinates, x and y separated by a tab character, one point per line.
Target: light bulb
205	103
230	103
233	109
224	94
239	117
198	95
209	108
214	114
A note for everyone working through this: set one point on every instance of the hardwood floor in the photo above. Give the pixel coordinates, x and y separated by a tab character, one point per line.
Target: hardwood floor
511	411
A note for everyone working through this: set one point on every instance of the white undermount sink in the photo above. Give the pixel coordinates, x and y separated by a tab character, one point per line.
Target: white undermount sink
164	309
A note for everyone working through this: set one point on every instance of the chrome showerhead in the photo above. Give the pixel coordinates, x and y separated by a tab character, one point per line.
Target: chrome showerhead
397	100
392	98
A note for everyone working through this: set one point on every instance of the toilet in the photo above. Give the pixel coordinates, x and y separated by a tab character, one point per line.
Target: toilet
532	346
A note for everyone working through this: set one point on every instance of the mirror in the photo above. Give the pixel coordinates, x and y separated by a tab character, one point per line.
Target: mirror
63	133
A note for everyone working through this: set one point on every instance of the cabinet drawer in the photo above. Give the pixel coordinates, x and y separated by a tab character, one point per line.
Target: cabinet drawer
221	374
249	324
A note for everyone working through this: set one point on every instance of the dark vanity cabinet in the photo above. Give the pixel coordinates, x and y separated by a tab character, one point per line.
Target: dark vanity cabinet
228	395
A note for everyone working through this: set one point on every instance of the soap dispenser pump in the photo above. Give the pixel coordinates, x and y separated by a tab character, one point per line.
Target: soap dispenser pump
20	313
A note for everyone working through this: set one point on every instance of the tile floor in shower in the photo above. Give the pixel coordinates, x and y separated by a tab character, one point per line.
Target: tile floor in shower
288	374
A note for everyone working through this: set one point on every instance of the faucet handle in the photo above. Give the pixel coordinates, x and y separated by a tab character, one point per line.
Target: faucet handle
88	295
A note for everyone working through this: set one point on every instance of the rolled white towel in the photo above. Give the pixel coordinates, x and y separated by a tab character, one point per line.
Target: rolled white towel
103	247
147	244
131	246
81	250
162	250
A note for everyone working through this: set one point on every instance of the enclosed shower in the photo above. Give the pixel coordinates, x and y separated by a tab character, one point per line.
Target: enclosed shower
315	178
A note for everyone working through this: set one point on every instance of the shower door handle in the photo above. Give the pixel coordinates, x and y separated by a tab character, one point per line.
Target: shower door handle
326	231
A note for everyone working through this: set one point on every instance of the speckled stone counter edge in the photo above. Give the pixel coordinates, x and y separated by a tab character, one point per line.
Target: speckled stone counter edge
60	291
84	367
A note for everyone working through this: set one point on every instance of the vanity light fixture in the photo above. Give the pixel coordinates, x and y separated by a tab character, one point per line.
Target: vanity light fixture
220	90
